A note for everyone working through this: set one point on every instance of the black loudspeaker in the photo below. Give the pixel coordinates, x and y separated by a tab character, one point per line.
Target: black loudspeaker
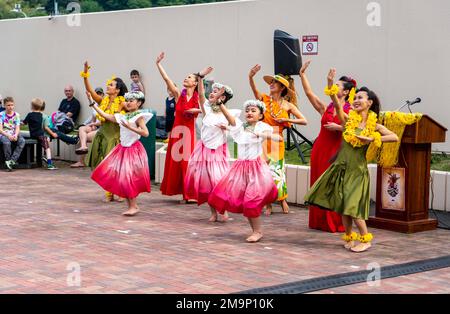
288	57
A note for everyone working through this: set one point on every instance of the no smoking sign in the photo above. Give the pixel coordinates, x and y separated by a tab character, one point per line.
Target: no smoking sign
310	45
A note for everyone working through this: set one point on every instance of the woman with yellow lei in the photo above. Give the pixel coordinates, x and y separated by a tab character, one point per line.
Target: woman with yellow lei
280	103
108	135
344	186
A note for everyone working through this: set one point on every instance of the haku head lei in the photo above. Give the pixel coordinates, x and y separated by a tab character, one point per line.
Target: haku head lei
255	103
228	89
138	95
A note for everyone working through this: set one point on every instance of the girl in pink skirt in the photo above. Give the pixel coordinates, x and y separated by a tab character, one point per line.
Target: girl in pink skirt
248	186
124	171
209	160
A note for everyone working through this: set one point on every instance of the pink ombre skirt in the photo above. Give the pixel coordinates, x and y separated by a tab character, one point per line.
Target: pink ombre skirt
124	172
205	169
246	188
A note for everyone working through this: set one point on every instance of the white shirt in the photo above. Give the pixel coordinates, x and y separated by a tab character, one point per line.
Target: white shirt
249	145
211	135
127	137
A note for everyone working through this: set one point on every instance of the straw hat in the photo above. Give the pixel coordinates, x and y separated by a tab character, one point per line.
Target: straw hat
279	78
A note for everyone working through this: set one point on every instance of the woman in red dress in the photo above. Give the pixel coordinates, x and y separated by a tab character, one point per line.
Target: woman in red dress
182	137
326	145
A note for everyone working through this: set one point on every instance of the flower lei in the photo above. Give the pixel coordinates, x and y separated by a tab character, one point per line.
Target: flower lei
114	107
387	155
270	108
84	74
331	91
354	119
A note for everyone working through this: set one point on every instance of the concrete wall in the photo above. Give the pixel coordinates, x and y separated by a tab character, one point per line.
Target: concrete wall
406	57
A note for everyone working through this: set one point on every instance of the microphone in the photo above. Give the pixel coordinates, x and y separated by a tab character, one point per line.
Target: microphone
415	101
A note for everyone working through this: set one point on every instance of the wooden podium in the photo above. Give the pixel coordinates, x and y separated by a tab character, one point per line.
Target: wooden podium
403	191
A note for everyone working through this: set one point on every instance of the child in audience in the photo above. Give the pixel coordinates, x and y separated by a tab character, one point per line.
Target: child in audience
10	133
35	121
136	83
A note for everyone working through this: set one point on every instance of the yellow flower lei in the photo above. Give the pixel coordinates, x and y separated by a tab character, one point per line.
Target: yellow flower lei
84	74
113	108
387	155
354	119
331	91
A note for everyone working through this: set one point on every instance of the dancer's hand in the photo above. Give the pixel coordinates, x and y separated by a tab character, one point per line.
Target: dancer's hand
254	70
282	120
222	126
331	126
160	57
304	67
206	71
365	139
125	124
331	76
86	67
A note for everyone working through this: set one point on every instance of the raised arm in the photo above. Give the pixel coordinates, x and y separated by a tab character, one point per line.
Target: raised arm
231	120
313	99
339	110
88	86
251	76
201	88
170	85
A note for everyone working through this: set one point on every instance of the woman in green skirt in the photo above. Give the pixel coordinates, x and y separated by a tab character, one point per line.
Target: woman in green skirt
345	186
108	135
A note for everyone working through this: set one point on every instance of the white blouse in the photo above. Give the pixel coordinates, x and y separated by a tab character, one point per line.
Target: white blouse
127	137
249	145
212	136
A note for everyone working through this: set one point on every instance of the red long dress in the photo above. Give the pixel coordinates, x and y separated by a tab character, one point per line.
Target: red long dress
180	147
325	147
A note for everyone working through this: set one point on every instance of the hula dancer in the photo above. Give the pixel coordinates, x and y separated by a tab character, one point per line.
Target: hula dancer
124	172
209	160
108	135
327	144
280	104
248	186
344	186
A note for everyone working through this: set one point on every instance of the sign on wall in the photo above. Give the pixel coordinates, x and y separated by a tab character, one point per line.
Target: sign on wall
310	45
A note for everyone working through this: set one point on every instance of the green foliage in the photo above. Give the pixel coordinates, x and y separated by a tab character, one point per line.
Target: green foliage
46	7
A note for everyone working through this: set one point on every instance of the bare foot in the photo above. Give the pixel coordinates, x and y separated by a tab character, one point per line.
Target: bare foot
349	245
213	218
285	207
131	211
255	237
362	247
224	217
268	210
77	165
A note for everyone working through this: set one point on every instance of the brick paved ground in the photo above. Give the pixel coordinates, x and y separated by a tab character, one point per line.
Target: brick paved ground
49	219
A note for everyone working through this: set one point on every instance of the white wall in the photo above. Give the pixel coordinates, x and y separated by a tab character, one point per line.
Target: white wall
406	57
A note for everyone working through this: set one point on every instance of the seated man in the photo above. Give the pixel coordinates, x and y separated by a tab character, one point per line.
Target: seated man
70	105
10	133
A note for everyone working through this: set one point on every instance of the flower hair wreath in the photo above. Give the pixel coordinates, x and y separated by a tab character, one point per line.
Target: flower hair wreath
219	86
138	95
256	103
